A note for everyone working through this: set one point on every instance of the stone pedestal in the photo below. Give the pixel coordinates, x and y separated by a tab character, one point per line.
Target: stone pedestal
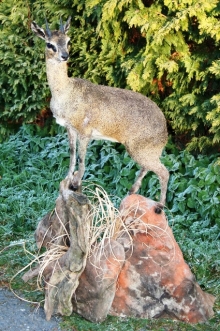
153	280
140	273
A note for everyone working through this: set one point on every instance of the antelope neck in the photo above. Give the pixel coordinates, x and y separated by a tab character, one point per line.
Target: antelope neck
56	75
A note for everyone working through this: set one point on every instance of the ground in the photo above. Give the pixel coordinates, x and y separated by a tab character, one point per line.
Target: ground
18	315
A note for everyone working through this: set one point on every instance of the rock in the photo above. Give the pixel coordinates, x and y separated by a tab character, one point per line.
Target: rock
65	234
155	281
140	273
97	285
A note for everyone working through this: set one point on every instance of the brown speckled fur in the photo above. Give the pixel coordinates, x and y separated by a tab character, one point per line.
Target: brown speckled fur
90	111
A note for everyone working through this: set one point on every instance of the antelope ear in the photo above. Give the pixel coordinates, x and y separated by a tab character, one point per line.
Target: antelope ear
38	30
67	25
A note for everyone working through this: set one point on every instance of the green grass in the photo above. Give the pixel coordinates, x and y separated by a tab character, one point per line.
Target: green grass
31	168
131	324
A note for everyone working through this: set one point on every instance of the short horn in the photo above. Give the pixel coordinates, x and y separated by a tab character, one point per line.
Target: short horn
48	32
61	26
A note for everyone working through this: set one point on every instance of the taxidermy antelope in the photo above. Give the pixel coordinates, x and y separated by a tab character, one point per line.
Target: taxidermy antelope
90	111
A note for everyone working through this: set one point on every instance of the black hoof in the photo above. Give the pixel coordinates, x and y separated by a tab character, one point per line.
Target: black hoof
158	209
73	187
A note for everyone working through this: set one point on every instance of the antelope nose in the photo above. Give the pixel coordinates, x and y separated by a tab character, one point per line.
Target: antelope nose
65	57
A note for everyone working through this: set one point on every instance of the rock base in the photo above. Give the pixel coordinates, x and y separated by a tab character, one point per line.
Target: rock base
140	273
145	277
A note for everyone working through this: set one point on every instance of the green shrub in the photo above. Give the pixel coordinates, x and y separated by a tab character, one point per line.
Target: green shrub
23	84
163	49
169	51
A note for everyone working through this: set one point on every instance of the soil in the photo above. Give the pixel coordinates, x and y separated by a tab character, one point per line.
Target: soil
18	315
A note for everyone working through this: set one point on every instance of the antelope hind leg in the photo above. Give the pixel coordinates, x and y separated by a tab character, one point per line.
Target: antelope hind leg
163	174
135	187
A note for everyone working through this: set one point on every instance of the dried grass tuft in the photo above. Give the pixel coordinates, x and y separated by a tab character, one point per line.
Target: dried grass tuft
106	218
106	225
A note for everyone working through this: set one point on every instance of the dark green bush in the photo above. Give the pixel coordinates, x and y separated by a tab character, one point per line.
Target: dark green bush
22	77
164	49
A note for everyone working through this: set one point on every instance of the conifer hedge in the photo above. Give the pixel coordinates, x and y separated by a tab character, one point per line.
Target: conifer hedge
165	49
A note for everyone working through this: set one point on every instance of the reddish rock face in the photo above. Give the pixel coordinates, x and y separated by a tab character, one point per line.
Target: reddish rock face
146	277
155	281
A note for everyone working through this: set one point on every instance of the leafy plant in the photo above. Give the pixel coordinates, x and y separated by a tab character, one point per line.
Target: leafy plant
31	168
132	324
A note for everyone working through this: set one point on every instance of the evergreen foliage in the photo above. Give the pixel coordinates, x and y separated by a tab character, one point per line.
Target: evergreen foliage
165	49
22	76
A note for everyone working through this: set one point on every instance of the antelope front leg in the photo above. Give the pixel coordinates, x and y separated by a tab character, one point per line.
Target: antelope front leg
72	135
82	146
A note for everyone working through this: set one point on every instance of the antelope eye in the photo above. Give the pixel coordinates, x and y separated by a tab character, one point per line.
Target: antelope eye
51	46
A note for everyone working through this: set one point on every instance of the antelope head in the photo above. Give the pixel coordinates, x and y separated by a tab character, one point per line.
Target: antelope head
56	41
